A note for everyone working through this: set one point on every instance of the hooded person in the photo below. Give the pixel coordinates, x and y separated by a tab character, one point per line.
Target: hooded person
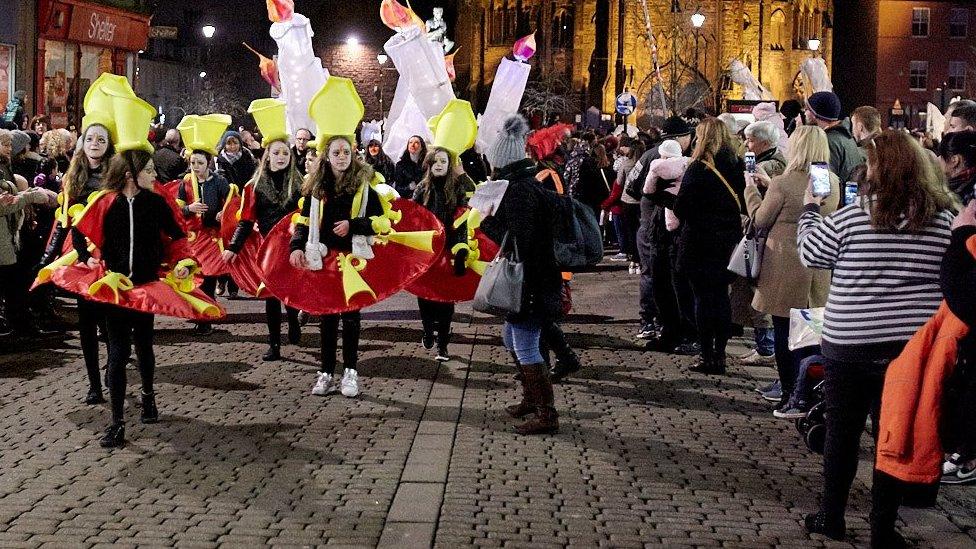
519	217
455	275
350	246
272	194
139	263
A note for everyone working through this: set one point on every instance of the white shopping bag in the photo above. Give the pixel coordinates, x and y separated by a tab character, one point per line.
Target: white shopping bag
806	327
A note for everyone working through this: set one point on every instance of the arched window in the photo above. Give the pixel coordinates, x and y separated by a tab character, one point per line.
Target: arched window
562	29
746	21
778	21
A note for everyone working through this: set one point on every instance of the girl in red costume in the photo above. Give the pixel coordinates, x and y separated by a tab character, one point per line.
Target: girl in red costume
135	232
272	194
443	190
337	182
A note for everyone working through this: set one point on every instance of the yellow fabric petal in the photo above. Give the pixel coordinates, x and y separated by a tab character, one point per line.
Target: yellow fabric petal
352	281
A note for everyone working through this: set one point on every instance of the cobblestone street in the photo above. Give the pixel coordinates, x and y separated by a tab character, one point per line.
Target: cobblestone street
648	454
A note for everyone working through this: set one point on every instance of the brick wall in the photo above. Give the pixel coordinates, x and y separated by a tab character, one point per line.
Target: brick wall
359	64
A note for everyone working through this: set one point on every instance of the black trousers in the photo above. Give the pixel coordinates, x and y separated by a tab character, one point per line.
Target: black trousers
125	328
329	335
713	312
553	339
436	316
14	295
646	255
787	361
853	391
272	311
91	317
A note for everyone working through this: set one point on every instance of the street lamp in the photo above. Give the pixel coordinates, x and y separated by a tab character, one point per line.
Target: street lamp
208	31
203	74
352	41
697	20
381	57
813	44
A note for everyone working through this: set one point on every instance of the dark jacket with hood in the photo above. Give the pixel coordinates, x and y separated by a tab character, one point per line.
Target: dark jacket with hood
525	214
272	201
407	173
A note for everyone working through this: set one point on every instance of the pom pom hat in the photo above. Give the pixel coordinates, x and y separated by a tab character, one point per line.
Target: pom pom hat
510	145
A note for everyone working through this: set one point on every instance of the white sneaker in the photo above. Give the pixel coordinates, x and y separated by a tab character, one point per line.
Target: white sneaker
619	257
323	385
755	358
349	386
442	356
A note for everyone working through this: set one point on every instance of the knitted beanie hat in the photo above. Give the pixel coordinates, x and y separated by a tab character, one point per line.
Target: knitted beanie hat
669	148
20	141
826	105
510	145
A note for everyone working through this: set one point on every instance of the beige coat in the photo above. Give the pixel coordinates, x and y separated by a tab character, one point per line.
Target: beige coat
784	283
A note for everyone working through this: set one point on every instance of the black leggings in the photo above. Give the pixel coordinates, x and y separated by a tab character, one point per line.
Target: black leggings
329	334
272	310
435	316
126	327
713	312
853	391
91	317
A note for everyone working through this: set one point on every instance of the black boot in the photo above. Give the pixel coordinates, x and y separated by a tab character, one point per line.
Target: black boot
817	524
114	436
294	332
94	396
443	339
564	367
273	353
149	412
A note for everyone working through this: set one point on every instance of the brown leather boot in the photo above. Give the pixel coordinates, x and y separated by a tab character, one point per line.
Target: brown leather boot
525	407
539	390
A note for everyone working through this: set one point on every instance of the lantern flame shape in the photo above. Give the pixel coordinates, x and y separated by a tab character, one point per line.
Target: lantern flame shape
524	48
268	68
397	16
280	10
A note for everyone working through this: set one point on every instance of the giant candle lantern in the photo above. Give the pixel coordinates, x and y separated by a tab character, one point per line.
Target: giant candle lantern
815	75
300	72
506	91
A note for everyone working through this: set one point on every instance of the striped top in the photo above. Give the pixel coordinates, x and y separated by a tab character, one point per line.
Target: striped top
885	285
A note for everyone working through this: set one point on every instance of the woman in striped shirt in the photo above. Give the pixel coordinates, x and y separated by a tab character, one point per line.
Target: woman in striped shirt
885	253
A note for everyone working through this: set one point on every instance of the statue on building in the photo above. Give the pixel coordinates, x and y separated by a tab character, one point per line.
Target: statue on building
437	30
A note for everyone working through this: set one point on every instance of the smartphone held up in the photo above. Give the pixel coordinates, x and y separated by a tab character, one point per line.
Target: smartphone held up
820	179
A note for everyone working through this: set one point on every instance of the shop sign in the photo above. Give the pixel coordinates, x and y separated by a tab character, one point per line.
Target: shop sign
92	26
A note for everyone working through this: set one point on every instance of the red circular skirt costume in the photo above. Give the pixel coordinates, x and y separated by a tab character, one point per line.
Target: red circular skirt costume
440	283
244	268
168	296
347	282
205	243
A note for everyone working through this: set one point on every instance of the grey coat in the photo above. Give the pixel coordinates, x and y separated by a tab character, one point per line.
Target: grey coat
10	219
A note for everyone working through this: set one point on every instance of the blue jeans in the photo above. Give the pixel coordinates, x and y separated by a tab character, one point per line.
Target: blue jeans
522	338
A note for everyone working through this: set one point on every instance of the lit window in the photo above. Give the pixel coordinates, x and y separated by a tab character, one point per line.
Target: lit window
957	75
920	21
918	75
958	23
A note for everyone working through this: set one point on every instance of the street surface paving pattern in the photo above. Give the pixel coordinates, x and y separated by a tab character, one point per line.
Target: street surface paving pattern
648	455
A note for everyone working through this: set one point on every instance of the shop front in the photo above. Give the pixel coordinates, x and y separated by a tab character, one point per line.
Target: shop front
78	42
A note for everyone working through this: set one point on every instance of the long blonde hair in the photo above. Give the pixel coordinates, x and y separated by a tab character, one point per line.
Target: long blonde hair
903	181
712	136
352	179
807	144
262	177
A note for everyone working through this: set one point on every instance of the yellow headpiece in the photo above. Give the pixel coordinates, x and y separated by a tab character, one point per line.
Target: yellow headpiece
269	114
203	133
337	110
455	128
98	103
132	116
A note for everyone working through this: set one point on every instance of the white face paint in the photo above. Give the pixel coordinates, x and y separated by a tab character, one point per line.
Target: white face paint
340	155
200	166
147	176
440	165
96	142
279	156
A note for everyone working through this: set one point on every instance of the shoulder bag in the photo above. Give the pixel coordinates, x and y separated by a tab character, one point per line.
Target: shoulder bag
500	289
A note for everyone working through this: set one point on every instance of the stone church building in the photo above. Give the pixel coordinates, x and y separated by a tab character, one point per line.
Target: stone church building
592	50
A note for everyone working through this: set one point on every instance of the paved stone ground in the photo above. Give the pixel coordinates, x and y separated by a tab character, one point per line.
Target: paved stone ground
648	454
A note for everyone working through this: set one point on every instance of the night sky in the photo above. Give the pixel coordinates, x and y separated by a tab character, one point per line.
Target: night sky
246	21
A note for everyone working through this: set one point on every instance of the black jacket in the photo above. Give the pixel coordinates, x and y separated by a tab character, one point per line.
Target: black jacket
437	204
238	172
963	186
407	173
338	208
299	159
525	214
169	164
213	193
268	211
384	166
711	225
153	219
